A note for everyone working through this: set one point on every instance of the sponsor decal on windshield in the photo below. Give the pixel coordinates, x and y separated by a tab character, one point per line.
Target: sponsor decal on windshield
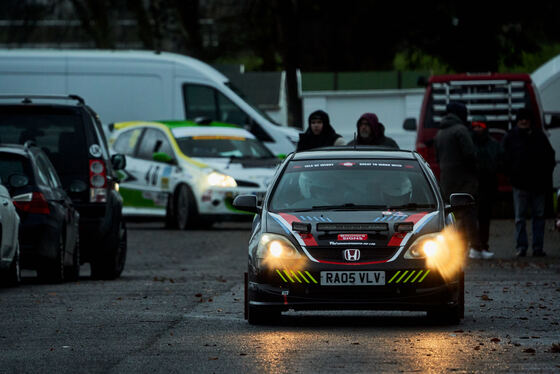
221	137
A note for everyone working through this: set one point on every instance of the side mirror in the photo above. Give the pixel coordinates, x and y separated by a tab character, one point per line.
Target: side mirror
119	161
551	120
461	201
162	157
18	180
409	124
247	203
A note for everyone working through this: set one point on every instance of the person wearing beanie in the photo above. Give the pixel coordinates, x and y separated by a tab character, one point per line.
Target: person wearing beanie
319	133
372	132
529	161
456	156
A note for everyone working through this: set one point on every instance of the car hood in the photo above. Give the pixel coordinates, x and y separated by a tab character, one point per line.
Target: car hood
254	170
358	229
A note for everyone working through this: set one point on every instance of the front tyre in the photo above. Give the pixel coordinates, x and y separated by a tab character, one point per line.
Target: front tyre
12	276
261	315
109	264
72	272
181	210
53	269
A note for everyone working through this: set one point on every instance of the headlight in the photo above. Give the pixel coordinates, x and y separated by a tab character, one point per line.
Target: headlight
220	180
273	246
427	246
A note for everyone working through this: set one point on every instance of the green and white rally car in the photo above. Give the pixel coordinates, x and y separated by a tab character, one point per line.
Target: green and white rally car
189	173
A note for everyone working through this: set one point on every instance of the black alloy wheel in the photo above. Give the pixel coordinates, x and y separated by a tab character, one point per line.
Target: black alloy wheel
53	270
110	263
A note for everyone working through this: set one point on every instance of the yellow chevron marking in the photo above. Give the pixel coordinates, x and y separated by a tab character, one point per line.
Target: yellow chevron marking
417	275
295	276
411	274
421	279
281	276
402	276
288	275
303	276
397	273
311	277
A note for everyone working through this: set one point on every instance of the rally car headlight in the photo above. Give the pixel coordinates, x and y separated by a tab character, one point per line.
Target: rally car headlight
273	246
220	180
427	246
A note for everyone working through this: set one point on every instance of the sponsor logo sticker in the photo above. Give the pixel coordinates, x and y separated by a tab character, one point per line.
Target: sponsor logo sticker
346	237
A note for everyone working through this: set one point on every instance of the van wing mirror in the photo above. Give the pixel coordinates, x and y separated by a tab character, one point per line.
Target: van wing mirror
552	120
409	124
461	200
247	203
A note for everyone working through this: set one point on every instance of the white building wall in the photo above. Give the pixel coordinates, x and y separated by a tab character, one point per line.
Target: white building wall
345	107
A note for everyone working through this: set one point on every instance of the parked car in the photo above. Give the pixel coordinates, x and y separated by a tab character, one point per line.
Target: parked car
190	173
49	234
354	229
70	133
10	273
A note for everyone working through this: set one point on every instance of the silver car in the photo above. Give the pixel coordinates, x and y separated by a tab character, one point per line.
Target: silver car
9	245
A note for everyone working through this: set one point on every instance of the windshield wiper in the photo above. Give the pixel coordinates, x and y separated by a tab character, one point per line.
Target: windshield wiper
350	206
412	206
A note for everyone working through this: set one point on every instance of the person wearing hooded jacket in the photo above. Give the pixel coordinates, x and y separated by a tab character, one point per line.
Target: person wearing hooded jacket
456	156
488	162
372	132
319	133
529	162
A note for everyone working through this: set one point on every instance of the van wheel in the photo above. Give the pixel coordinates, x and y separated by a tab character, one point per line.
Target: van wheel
12	276
183	213
53	270
110	264
72	272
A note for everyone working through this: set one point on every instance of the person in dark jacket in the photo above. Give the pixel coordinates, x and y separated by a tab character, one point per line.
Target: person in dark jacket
319	133
529	162
488	162
456	156
372	132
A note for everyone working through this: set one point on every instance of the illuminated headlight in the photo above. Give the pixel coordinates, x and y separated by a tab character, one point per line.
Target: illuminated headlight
427	246
272	246
220	180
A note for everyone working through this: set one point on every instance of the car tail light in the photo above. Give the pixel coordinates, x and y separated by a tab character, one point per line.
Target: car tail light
32	202
97	181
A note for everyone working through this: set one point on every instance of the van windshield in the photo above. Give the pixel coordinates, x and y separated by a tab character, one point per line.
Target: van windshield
251	104
493	101
57	131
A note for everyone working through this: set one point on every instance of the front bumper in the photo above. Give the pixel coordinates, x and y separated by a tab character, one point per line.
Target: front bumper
409	289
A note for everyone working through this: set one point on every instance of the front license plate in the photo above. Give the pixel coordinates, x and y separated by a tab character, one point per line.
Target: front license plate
352	278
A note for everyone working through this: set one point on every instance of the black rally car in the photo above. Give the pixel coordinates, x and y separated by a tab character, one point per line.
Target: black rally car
345	228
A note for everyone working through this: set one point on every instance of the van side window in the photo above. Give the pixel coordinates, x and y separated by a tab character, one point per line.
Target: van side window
126	142
230	113
154	141
200	101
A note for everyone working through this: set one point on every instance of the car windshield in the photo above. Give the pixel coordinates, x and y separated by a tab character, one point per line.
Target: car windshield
223	147
352	185
57	131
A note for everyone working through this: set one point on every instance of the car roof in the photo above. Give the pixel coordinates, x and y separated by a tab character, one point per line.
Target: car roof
364	152
204	130
171	124
41	100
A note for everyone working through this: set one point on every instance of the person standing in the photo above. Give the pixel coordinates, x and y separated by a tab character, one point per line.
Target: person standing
319	133
372	132
488	157
529	162
456	156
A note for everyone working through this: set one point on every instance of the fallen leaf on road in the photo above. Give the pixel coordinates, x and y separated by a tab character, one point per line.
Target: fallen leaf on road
486	298
458	331
212	358
356	343
555	348
198	295
243	354
477	348
495	340
529	350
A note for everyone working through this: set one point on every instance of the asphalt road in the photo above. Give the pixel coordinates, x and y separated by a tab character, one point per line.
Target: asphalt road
179	308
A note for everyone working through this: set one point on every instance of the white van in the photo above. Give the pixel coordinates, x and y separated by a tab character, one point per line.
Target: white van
139	85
